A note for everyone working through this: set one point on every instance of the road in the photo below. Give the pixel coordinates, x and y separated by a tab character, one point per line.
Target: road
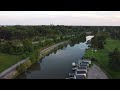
12	69
96	73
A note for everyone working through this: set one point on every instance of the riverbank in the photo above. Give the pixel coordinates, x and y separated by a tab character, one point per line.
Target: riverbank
12	72
102	57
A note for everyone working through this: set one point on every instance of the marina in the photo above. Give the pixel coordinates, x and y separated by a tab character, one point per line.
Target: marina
80	69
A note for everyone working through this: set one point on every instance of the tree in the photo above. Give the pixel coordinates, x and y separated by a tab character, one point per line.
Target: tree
27	44
100	44
98	41
61	37
35	56
21	68
114	59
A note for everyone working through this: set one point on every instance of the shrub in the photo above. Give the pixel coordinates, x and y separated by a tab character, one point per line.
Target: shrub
94	59
21	68
23	56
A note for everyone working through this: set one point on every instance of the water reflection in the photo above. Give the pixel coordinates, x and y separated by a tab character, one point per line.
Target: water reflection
57	65
35	67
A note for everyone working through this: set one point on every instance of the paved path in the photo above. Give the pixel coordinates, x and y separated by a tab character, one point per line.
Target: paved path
96	73
12	69
51	47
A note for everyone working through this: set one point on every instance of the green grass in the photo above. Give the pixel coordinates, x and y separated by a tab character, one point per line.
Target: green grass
102	57
7	61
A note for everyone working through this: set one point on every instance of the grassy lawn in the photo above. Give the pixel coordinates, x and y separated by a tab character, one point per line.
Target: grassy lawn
102	56
7	61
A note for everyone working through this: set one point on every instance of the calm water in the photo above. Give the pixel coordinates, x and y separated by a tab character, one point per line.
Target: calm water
56	65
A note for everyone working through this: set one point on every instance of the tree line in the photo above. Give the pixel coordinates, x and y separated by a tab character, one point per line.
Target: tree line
114	59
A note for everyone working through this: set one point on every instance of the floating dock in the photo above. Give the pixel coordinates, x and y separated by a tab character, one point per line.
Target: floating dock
79	70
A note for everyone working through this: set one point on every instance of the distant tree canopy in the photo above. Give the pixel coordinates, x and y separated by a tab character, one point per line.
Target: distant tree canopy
10	35
78	38
23	32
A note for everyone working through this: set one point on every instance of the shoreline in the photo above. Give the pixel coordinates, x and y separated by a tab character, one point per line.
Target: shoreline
11	72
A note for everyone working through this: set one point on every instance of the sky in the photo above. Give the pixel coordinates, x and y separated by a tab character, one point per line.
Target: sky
87	18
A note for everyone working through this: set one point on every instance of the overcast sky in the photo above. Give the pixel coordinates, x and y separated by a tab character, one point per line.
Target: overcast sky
109	18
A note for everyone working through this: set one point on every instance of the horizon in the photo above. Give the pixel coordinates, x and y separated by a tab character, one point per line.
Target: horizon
66	25
66	18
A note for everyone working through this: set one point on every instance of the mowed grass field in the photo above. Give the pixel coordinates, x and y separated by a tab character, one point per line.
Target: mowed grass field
7	61
102	57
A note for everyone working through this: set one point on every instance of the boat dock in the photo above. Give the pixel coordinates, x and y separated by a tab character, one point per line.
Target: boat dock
80	69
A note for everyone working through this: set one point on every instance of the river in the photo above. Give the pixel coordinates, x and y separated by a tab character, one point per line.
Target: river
56	65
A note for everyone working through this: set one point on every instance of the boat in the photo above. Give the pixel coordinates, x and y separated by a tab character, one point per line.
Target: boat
81	73
80	77
79	70
74	68
73	64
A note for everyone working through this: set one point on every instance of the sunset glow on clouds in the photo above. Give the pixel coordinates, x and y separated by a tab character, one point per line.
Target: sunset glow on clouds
60	18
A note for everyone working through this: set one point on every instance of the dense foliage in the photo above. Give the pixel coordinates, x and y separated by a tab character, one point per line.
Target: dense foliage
114	59
22	32
19	40
98	42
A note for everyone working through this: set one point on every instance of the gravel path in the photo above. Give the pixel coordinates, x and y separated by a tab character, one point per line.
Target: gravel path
96	73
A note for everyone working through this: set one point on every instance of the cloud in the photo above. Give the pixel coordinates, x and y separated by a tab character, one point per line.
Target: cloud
60	17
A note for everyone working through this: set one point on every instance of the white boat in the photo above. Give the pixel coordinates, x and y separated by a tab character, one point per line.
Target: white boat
80	77
73	64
